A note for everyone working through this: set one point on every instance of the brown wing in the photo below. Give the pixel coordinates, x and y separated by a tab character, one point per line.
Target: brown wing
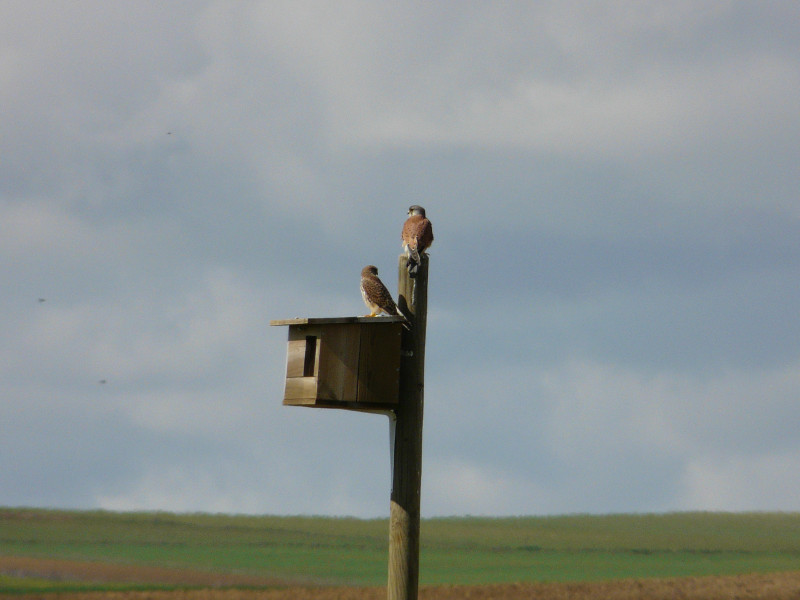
424	235
417	233
377	294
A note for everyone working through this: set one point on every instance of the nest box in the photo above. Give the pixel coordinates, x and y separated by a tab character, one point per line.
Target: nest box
346	362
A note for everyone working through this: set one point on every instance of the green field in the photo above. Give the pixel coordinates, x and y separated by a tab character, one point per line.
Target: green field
345	551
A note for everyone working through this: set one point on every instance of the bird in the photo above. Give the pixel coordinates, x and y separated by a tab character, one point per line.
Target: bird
417	237
376	296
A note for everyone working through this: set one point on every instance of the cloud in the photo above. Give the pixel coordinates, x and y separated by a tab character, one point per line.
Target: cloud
739	483
456	487
591	437
612	320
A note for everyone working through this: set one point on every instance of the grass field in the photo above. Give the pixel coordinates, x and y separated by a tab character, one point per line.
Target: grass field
200	550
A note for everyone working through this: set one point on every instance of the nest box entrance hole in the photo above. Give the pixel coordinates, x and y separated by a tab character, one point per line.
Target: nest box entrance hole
310	359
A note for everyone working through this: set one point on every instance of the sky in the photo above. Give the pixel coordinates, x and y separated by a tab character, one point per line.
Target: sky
614	287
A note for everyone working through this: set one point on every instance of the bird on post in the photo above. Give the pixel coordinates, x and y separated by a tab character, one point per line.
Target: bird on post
417	237
376	296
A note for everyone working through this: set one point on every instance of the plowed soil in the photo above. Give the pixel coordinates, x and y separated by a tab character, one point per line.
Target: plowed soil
774	586
74	570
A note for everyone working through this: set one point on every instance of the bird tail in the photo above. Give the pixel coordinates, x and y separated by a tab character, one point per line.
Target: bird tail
406	321
413	259
413	253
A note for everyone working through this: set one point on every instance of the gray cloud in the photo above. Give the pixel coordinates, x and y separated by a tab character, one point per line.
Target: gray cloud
613	287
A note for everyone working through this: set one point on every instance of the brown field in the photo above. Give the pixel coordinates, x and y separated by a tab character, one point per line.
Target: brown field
74	570
774	586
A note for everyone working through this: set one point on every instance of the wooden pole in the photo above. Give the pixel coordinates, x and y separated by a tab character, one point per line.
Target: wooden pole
406	436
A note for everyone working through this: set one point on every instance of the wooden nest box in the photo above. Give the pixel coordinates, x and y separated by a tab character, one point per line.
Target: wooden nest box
345	362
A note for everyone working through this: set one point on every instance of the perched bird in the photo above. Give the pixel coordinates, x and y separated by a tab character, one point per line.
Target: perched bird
417	237
376	296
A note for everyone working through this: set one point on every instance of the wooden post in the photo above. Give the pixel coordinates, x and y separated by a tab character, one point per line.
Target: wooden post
406	436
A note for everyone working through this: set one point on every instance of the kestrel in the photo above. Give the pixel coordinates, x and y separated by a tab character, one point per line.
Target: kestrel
417	237
376	296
